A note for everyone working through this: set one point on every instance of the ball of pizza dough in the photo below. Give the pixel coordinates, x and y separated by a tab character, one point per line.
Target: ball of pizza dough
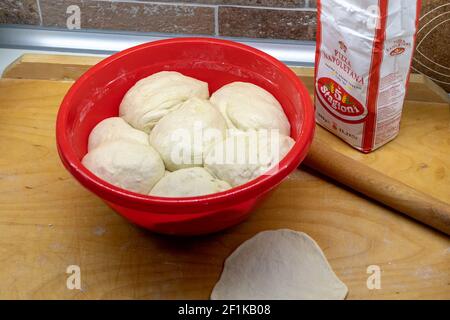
153	97
112	129
183	136
244	156
189	182
247	106
131	166
278	264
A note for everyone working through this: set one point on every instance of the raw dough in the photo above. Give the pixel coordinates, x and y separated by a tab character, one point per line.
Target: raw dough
155	96
188	182
131	166
115	128
231	159
280	264
247	106
190	131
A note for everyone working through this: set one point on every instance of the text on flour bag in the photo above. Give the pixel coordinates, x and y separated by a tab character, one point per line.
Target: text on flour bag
363	58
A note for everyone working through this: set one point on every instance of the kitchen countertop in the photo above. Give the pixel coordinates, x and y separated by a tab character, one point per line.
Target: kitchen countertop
48	222
8	56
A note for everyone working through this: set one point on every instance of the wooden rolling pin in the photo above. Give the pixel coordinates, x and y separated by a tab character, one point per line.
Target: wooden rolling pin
378	186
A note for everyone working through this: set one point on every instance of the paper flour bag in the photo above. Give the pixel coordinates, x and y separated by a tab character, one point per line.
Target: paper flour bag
363	57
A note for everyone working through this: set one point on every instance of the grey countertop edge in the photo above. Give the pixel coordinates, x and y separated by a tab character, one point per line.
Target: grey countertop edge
99	42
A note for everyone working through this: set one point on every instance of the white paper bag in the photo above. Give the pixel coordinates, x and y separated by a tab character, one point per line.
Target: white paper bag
363	57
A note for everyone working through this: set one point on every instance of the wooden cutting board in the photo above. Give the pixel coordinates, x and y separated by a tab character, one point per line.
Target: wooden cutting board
49	222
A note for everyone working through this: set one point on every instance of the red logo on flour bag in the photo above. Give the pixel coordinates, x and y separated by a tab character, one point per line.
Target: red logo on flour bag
343	46
363	59
397	51
339	102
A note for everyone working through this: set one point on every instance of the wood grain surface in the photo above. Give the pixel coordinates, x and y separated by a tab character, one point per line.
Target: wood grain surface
69	67
48	221
378	186
419	156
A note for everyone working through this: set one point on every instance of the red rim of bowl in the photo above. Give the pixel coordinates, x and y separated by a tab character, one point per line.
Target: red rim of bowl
117	195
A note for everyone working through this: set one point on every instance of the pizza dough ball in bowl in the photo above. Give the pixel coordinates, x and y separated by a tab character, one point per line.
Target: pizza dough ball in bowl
244	156
247	106
153	97
127	165
112	129
183	136
188	182
98	94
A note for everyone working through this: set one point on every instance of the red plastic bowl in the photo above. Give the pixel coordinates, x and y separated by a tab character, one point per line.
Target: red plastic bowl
97	95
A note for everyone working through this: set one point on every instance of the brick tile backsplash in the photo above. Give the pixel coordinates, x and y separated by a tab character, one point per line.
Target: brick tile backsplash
432	55
132	16
256	3
280	19
272	19
19	12
268	23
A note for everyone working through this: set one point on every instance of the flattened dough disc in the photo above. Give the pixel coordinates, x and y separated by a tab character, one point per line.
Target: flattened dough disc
278	264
